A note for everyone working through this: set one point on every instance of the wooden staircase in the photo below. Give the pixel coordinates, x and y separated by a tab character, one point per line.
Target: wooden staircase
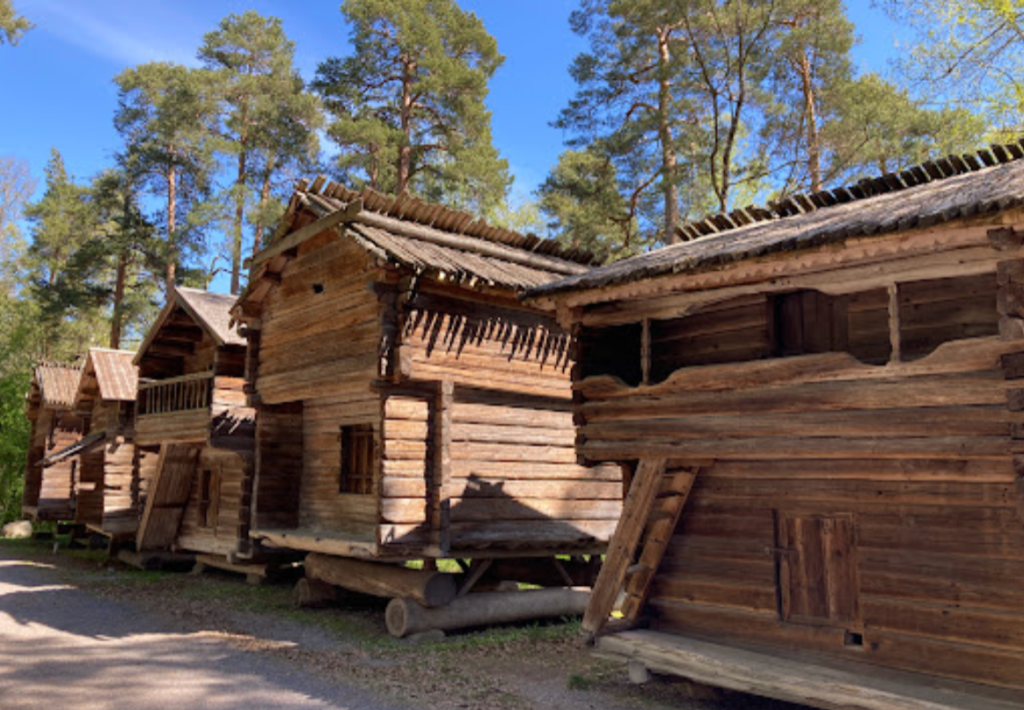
650	513
169	493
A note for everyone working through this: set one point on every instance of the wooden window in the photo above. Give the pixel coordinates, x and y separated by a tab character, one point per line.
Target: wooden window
817	570
806	322
209	498
936	311
357	459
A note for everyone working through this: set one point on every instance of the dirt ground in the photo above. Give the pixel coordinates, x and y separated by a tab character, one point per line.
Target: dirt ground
529	666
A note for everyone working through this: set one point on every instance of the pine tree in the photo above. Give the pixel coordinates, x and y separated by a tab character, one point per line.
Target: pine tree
268	120
582	199
165	115
61	223
408	103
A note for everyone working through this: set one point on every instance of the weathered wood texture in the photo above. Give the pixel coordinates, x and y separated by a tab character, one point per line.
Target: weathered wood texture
863	504
796	679
218	504
381	579
320	327
405	616
168	493
49	490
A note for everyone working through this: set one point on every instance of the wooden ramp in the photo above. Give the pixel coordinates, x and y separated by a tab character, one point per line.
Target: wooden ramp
168	495
649	516
859	687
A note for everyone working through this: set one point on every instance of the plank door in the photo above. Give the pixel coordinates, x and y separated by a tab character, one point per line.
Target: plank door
818	580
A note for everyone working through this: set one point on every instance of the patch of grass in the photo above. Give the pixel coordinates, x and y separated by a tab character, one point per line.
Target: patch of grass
238	594
449	566
578	681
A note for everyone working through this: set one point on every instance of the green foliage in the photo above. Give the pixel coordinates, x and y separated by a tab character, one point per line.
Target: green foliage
12	25
16	187
582	198
267	121
968	54
408	103
695	106
14	433
165	115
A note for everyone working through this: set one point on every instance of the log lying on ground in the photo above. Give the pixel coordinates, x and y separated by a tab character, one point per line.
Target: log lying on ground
405	616
380	579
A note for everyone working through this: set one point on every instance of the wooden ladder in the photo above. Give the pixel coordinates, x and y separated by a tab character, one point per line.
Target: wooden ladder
650	514
168	494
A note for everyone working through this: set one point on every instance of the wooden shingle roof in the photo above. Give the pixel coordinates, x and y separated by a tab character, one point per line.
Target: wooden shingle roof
58	384
431	239
114	371
213	311
954	188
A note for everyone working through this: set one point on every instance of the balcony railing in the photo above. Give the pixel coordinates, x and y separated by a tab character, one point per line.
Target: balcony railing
178	394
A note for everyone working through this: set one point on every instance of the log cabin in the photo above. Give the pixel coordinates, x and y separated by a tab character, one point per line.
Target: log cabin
49	489
408	405
109	490
193	422
823	406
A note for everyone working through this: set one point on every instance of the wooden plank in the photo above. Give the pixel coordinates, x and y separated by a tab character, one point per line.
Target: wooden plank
636	508
795	680
669	504
300	235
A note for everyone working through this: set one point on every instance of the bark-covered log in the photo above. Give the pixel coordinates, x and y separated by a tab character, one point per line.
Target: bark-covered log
405	616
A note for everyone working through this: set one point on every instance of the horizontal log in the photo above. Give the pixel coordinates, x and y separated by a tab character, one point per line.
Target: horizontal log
428	588
404	616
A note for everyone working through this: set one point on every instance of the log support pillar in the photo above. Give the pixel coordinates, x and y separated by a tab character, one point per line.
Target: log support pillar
1010	303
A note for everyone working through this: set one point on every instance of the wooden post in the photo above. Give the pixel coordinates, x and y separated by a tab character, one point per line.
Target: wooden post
894	324
441	503
623	544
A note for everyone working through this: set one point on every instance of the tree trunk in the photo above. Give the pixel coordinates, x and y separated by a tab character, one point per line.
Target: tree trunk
172	250
257	236
118	314
811	116
668	151
236	240
405	150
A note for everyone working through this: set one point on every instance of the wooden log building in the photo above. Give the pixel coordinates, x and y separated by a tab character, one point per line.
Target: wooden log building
824	408
49	490
110	489
409	406
193	422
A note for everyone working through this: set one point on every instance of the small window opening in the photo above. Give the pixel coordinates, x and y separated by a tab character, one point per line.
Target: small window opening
205	476
615	350
853	639
357	459
318	288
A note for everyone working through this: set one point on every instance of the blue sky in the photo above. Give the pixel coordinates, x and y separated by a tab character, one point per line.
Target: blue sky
58	88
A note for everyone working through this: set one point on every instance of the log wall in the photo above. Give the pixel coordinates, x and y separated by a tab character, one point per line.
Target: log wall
868	511
320	327
217	507
49	491
512	479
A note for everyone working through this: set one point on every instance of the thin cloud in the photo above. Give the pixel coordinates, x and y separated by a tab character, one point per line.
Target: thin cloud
109	30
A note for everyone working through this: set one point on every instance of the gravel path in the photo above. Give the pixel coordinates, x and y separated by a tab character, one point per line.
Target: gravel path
61	647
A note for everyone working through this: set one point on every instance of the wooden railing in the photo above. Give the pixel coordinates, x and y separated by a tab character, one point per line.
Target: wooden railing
178	394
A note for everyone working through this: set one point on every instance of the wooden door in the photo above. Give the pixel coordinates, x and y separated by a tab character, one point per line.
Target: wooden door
818	581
